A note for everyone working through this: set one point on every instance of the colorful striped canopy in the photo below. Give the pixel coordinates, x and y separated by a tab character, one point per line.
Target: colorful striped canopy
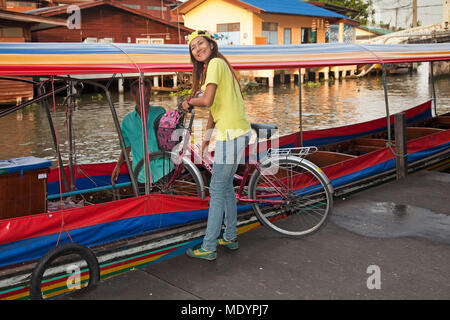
85	58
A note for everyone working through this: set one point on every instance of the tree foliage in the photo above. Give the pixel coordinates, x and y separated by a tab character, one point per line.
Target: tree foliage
363	7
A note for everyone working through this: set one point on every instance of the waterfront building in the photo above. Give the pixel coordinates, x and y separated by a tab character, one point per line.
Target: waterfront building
260	22
110	21
267	22
158	8
364	33
17	27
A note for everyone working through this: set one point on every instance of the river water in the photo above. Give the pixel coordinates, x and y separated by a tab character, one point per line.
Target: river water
342	102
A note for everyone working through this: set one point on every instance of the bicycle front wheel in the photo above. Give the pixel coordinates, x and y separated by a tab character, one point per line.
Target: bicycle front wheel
290	196
177	178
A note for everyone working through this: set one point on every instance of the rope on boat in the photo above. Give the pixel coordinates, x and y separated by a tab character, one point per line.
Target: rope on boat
386	100
390	145
59	165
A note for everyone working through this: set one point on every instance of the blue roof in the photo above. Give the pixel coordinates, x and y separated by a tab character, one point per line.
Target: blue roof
296	7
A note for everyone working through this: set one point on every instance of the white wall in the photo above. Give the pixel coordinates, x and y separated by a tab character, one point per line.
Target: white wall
207	15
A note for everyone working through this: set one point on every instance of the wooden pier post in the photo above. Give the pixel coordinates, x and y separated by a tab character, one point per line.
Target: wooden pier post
175	81
120	85
401	156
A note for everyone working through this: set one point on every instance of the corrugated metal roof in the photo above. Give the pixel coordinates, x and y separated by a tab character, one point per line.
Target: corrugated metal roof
380	30
293	7
39	10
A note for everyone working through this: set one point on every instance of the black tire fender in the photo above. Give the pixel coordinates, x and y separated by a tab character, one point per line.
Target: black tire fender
64	249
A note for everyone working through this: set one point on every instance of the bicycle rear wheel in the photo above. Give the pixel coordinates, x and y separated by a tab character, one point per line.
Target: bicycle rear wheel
177	178
292	198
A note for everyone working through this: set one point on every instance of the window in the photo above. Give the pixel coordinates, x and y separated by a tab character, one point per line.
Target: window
13	4
142	40
11	32
287	35
156	8
149	40
349	33
332	34
270	26
90	40
308	36
106	40
270	31
229	33
228	27
132	6
157	41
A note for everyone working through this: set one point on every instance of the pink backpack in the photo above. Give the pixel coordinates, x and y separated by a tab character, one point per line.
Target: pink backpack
169	122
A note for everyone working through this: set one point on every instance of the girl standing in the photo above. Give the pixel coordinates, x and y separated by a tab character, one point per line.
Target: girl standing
214	77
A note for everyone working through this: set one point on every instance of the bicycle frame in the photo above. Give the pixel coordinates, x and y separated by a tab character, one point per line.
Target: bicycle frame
207	162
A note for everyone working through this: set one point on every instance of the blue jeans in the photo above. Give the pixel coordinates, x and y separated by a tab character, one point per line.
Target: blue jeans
227	156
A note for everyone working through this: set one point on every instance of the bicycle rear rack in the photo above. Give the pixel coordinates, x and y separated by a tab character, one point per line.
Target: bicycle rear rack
298	152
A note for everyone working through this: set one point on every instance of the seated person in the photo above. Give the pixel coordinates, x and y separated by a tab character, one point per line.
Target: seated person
132	134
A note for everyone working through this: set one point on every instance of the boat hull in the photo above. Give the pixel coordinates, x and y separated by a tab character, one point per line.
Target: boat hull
131	233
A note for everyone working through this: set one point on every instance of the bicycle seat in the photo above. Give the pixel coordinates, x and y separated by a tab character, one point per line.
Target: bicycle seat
269	129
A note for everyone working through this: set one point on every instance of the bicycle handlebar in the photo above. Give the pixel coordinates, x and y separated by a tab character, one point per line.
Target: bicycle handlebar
190	110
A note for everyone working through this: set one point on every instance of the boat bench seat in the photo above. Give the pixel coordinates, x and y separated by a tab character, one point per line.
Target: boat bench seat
443	121
326	158
268	129
417	132
366	145
371	142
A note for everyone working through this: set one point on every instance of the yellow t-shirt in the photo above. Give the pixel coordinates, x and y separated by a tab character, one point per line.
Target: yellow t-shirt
227	109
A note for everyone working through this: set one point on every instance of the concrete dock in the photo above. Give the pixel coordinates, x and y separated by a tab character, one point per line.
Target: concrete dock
388	242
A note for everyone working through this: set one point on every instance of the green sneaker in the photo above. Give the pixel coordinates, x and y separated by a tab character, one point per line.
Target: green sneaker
232	245
202	254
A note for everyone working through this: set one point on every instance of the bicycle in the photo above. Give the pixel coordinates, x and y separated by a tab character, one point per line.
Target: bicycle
289	194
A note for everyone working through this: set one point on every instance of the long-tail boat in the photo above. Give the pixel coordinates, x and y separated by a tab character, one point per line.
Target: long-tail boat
139	230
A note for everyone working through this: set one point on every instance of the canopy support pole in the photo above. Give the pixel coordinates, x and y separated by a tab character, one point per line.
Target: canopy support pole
70	102
432	87
29	102
386	101
144	118
300	116
121	140
144	136
70	127
119	132
52	130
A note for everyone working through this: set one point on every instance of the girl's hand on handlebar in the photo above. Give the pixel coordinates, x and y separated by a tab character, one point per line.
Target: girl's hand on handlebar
186	106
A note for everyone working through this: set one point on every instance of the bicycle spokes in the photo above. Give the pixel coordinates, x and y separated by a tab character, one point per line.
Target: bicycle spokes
290	198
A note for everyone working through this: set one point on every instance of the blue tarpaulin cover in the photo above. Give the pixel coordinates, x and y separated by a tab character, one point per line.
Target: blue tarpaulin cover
23	164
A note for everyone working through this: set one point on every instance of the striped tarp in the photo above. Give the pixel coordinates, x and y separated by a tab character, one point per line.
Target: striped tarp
86	58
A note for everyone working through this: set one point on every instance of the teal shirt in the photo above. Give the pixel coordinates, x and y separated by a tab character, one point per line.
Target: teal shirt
132	135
